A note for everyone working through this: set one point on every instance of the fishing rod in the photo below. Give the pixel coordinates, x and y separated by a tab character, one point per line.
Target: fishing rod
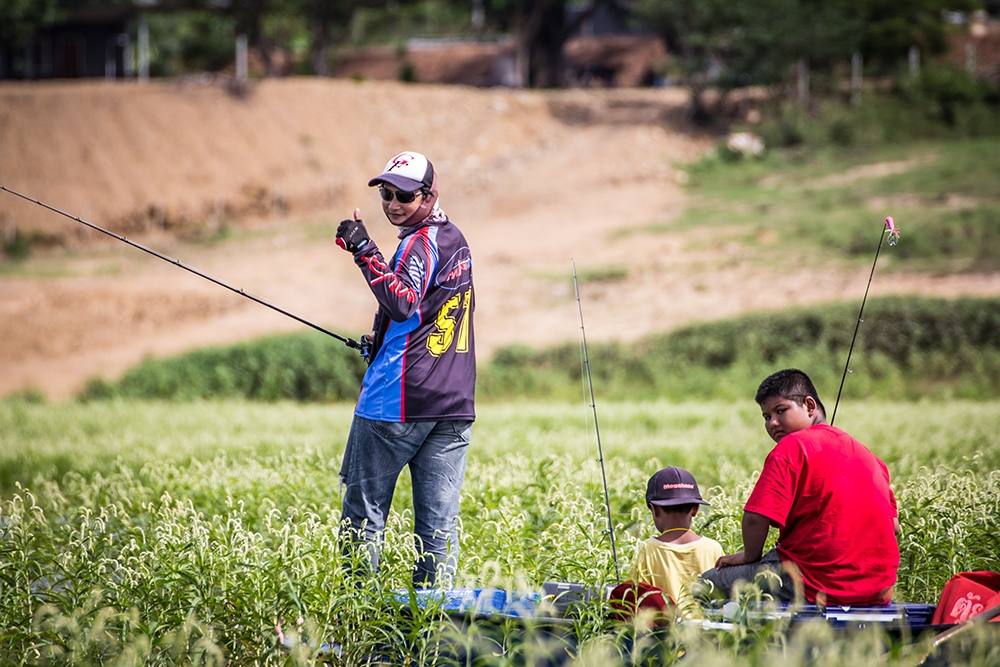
893	234
349	342
597	427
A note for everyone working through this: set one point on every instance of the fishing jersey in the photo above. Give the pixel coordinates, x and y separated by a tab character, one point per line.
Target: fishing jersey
424	363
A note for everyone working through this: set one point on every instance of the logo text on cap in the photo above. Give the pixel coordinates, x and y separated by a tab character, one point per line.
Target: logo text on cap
399	161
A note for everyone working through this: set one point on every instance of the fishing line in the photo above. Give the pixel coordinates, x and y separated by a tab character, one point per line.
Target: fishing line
349	342
597	427
890	227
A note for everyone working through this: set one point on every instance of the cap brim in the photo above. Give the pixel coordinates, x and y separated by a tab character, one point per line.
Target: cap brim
670	502
401	182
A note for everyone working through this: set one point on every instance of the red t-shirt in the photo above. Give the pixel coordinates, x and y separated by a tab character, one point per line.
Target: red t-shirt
830	497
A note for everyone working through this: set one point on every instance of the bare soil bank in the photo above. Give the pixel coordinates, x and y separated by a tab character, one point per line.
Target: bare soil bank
533	178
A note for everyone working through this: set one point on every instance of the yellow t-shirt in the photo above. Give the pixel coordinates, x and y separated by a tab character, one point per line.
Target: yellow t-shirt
672	567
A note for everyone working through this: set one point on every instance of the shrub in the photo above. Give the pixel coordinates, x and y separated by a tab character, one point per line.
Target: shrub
17	246
907	347
32	396
302	367
786	129
407	72
944	92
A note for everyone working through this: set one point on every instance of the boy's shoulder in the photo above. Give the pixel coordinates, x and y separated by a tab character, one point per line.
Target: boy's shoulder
701	543
823	438
817	434
709	543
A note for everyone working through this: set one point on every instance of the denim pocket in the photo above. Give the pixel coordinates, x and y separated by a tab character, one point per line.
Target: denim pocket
393	430
462	429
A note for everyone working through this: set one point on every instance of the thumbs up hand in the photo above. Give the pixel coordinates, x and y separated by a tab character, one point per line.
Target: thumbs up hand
352	235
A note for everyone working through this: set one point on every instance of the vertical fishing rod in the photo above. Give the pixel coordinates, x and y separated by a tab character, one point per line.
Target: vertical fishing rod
893	233
597	427
349	342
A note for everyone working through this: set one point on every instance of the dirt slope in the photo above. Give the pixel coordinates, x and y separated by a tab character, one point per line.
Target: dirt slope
534	179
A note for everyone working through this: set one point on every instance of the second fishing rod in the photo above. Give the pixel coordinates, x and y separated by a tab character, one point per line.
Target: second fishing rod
585	359
362	346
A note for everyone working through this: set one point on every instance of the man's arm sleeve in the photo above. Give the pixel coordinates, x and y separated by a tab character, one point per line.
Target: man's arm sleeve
774	492
400	292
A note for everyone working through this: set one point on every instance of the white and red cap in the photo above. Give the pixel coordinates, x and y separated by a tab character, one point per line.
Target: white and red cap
409	171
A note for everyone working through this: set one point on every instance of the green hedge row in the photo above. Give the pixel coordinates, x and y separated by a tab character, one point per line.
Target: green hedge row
301	367
907	348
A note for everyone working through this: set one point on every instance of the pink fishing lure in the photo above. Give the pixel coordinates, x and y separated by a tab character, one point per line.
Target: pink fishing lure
890	226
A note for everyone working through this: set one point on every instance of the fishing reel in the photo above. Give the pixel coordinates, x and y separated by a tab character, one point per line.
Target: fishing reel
364	346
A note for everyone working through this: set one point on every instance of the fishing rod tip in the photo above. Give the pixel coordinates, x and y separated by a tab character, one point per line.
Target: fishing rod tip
890	226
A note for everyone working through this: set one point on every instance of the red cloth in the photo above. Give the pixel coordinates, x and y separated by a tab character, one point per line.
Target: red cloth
967	594
629	597
830	497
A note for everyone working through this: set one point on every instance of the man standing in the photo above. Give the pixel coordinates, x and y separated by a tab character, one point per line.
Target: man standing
417	399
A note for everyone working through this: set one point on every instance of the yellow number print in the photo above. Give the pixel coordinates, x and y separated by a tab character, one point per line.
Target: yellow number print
463	329
439	341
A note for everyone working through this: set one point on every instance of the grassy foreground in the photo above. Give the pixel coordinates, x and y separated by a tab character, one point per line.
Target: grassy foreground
152	532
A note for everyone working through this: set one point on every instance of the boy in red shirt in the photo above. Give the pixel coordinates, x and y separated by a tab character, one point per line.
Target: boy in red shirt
830	499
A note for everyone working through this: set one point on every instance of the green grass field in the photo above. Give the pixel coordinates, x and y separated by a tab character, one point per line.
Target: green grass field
182	531
826	205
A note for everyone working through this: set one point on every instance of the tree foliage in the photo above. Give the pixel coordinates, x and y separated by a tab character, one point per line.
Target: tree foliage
891	27
328	19
730	43
196	41
20	19
719	43
541	30
736	42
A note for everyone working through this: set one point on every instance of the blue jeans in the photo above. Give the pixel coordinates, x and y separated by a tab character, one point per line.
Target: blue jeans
435	452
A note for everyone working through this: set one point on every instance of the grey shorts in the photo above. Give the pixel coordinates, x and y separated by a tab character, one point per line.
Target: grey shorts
725	578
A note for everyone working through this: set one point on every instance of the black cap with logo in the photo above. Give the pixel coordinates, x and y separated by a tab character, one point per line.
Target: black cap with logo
673	486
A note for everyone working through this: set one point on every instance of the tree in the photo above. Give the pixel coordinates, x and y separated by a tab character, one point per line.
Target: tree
21	19
725	44
729	43
541	30
710	43
892	27
319	24
327	19
249	17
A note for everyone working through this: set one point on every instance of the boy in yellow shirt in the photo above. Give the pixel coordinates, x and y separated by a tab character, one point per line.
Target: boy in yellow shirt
677	556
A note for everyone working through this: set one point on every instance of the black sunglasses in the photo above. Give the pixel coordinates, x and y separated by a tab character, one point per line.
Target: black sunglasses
401	197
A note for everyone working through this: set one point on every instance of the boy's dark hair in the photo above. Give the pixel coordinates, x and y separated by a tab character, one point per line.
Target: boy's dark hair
790	383
676	509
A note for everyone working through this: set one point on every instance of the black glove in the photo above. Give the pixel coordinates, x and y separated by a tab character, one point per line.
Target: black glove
352	235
